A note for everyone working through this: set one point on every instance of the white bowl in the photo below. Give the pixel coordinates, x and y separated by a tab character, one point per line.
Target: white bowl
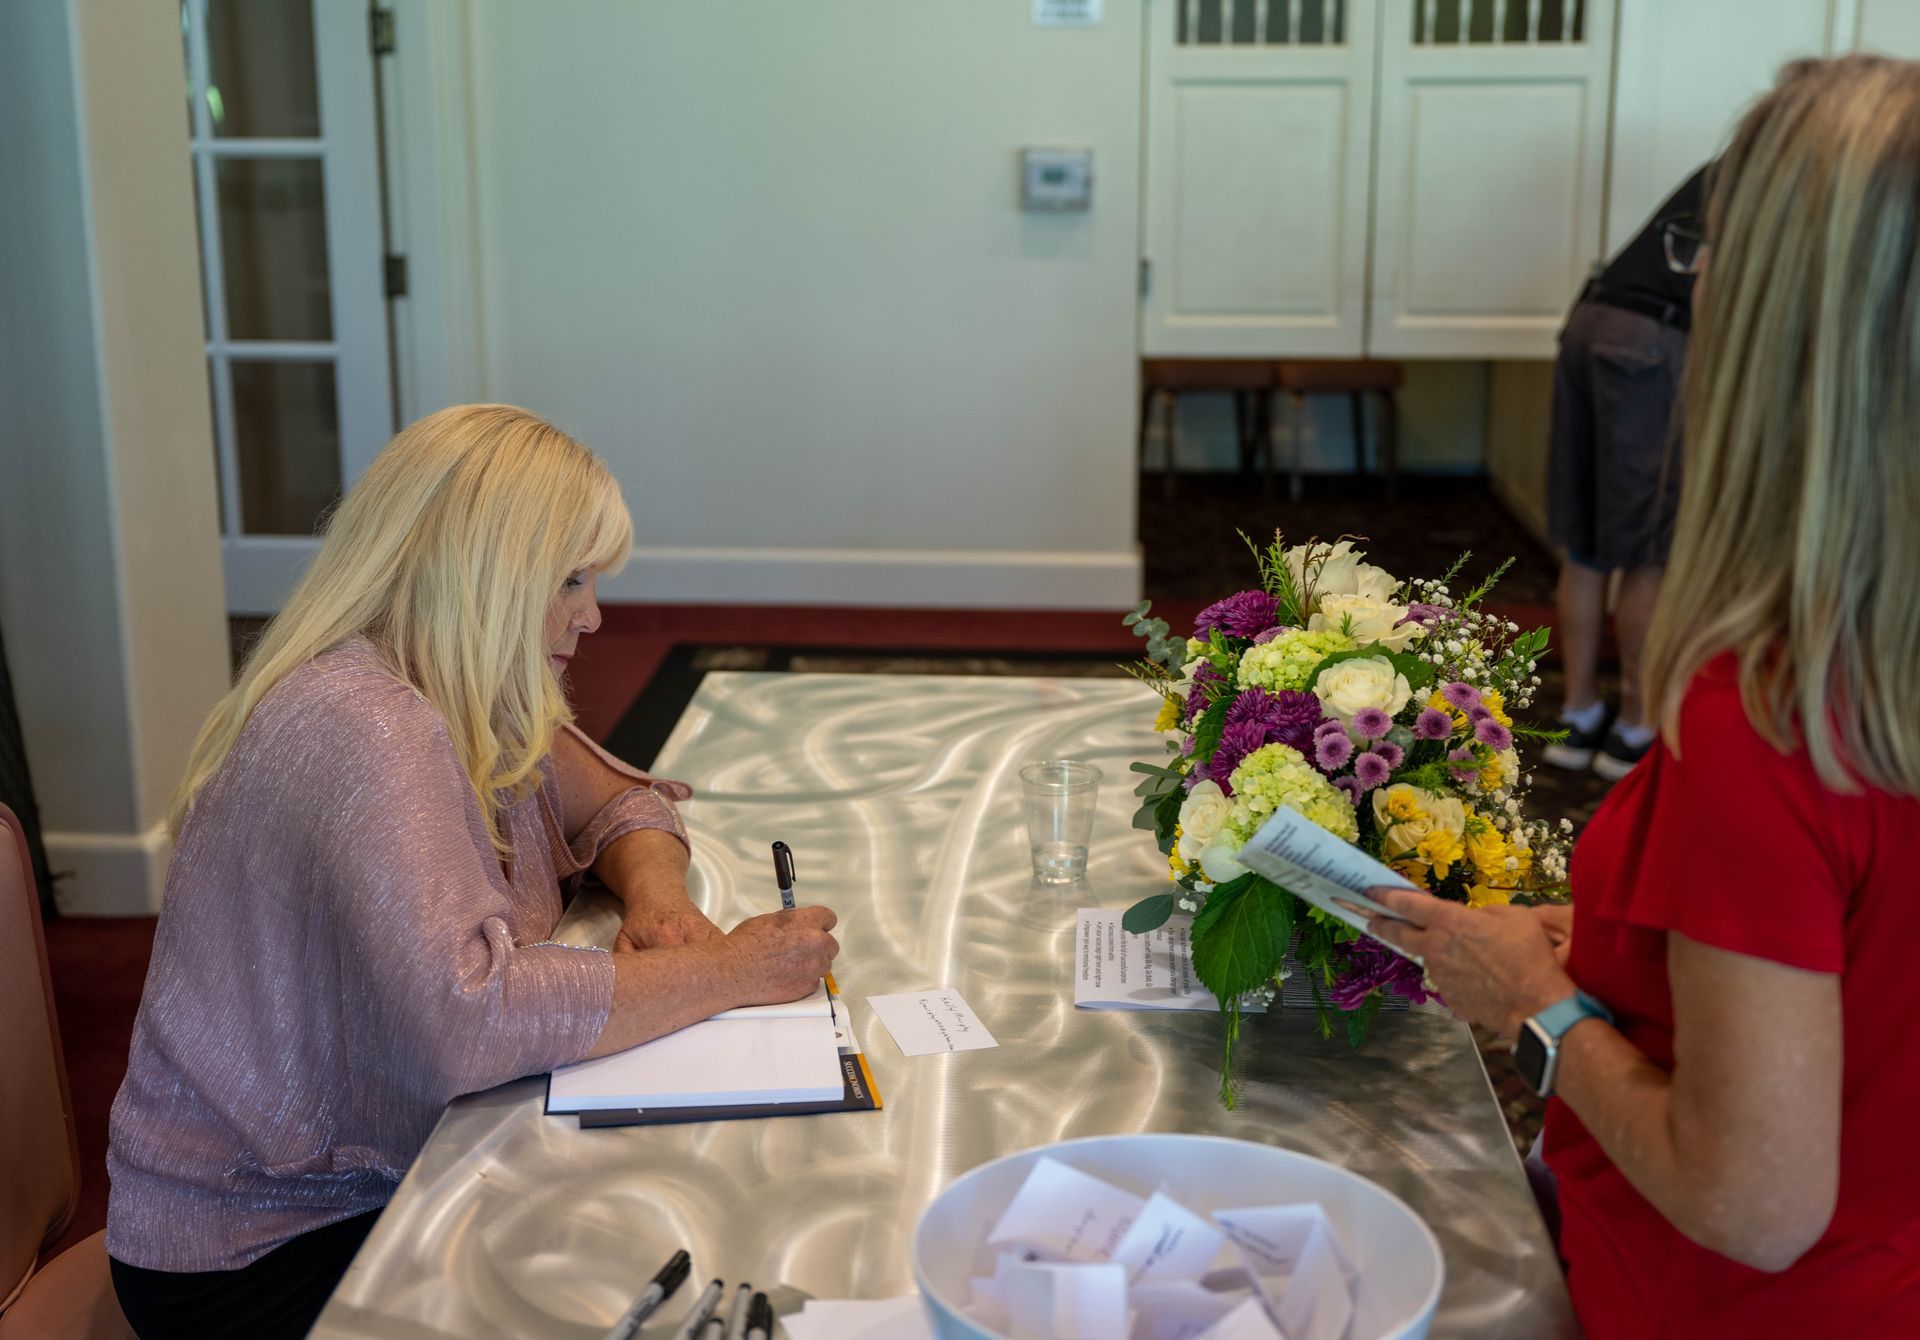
1396	1255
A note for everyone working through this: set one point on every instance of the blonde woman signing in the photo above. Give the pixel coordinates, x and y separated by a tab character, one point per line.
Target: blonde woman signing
372	841
1734	1144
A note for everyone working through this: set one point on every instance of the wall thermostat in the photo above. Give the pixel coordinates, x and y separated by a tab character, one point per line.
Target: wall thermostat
1053	179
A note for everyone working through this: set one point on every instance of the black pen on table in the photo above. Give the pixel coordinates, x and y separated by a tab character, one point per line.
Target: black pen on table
760	1318
702	1309
669	1278
783	880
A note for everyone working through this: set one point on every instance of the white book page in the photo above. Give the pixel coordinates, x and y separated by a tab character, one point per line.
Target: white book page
1304	858
714	1063
810	1006
1116	970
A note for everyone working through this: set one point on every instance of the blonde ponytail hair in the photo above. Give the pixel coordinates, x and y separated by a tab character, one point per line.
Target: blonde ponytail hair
1798	537
446	555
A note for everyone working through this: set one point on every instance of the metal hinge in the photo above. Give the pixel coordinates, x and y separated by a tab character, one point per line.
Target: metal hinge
396	276
381	23
1146	275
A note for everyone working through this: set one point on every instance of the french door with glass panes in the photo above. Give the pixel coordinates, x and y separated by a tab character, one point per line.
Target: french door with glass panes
287	178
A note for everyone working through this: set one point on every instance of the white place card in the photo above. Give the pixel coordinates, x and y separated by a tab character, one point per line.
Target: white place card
1167	1242
925	1022
1297	1264
1117	970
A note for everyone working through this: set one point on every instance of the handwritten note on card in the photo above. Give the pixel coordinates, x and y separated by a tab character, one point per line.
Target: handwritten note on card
925	1022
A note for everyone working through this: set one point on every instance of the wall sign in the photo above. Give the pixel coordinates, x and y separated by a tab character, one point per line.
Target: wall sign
1066	13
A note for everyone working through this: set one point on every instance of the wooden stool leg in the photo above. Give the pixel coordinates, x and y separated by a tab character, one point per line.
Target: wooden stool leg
1359	433
1390	443
1170	416
1297	430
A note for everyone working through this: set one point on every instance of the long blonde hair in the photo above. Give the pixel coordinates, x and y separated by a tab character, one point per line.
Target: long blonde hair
446	555
1797	544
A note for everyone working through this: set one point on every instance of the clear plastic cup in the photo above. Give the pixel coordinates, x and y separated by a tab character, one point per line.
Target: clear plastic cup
1060	800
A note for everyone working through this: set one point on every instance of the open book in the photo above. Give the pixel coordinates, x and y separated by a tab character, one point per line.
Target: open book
759	1054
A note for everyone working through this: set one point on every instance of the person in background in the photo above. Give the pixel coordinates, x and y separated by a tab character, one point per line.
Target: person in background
1732	1065
373	842
1612	481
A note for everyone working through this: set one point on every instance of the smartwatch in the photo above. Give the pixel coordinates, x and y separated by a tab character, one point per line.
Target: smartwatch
1536	1052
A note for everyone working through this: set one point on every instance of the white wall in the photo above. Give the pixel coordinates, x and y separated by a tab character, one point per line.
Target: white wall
768	259
110	589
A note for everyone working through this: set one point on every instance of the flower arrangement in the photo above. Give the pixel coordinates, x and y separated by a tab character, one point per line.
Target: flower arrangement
1378	709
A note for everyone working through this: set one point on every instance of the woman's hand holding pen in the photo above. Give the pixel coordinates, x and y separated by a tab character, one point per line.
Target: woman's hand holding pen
781	956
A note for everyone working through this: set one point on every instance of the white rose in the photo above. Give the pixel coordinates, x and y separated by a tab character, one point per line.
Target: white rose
1201	814
1220	864
1350	686
1342	573
1373	622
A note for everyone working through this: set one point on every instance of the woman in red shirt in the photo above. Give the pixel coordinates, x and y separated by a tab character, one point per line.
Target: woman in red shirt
1732	1131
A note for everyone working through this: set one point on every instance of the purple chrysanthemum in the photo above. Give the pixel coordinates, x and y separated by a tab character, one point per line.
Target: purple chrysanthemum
1350	785
1371	770
1476	715
1261	639
1425	615
1243	614
1461	762
1462	696
1433	724
1237	740
1331	726
1371	966
1392	753
1332	751
1492	734
1372	723
1296	718
1200	692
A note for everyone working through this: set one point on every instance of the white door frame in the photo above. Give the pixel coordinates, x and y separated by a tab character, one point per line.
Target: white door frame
260	570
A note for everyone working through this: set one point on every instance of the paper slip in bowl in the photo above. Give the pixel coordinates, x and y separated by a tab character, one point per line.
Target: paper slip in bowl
1396	1258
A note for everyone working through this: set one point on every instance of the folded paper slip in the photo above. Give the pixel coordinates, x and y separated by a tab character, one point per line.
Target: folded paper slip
719	1062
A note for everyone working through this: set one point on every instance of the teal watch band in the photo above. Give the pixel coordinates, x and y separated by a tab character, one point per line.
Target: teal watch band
1558	1017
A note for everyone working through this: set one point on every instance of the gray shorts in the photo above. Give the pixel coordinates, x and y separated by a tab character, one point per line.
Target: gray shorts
1613	477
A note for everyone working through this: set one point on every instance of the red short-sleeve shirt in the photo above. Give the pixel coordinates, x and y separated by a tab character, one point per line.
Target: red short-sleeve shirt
1741	847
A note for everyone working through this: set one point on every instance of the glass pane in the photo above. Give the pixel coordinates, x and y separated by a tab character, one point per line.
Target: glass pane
286	438
273	249
261	76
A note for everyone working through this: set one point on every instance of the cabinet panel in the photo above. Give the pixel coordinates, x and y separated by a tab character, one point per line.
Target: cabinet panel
1259	133
1488	180
1252	234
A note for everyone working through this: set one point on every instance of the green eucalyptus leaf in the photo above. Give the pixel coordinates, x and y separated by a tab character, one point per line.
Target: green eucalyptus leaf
1166	816
1149	914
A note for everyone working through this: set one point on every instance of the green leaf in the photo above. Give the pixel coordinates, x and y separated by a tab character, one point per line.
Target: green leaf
1149	914
1206	731
1361	1020
1166	816
1145	817
1219	901
1245	941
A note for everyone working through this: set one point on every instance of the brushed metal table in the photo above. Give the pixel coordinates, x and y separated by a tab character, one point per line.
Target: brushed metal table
900	796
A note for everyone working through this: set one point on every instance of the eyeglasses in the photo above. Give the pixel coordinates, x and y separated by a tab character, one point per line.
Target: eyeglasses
1686	247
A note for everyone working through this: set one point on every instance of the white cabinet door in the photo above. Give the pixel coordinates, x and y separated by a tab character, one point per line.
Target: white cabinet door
1259	118
1891	27
1487	204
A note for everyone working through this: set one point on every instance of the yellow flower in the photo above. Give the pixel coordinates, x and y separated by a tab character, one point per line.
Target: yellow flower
1169	714
1488	851
1403	804
1440	704
1176	864
1411	870
1440	849
1484	895
1494	703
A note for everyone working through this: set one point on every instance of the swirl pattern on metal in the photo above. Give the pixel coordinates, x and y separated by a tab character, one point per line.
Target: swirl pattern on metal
900	796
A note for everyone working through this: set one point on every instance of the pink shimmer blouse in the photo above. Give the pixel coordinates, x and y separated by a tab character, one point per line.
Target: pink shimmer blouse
339	955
